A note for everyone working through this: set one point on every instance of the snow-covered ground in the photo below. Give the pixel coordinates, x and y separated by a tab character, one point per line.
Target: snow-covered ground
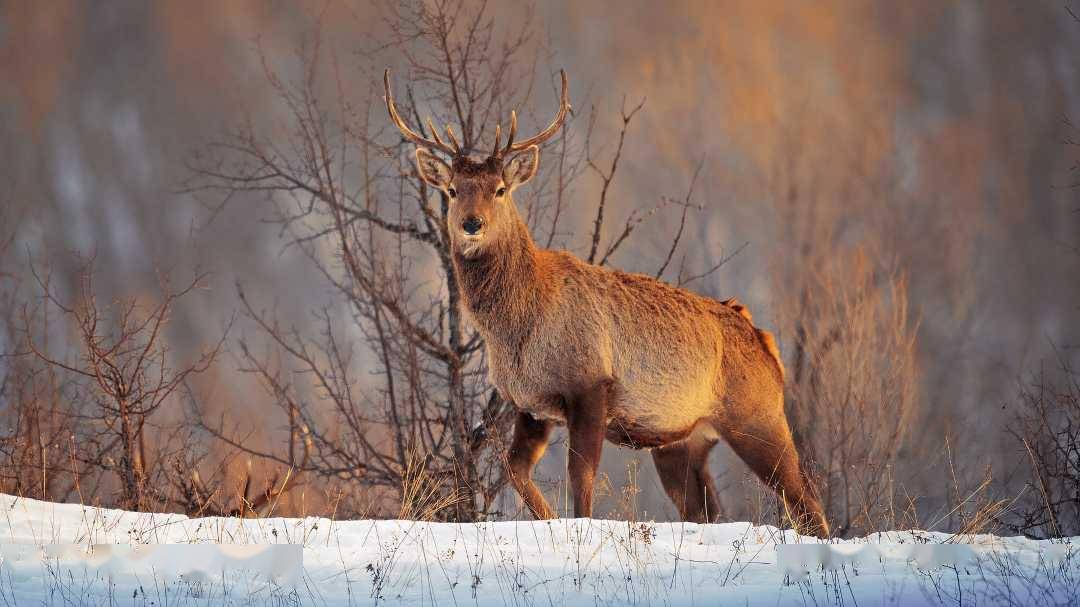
67	554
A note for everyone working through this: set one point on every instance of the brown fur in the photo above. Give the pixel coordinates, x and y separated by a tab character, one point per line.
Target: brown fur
614	355
767	340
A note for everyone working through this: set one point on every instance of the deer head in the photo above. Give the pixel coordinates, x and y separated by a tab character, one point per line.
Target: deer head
481	208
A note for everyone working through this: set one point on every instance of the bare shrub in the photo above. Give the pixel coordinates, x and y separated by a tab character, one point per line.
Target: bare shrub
842	309
1045	426
338	185
1046	436
395	374
35	425
117	377
852	387
840	269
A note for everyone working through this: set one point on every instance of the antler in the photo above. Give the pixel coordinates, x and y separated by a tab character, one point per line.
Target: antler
437	144
543	135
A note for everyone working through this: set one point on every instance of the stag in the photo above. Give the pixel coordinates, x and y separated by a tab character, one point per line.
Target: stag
609	354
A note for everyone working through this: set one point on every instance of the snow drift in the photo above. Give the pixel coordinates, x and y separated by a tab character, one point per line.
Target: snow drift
71	554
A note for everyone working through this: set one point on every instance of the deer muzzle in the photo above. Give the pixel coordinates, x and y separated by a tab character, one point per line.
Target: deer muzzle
472	225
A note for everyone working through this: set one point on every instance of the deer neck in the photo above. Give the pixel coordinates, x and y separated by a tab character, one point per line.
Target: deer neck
500	287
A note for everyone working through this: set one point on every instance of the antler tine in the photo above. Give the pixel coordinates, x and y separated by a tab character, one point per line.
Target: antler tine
498	133
513	129
453	139
552	128
410	134
434	131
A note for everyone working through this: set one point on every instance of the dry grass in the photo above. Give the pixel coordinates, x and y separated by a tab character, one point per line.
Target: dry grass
424	497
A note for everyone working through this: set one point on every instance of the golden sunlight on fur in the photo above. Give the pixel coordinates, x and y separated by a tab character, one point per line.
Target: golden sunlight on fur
609	354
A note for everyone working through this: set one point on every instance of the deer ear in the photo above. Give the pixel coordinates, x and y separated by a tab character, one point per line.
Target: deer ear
432	169
521	167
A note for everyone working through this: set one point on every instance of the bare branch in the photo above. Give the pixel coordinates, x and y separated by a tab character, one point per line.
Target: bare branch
606	177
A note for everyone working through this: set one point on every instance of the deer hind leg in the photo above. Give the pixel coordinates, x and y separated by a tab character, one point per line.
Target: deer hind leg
764	443
529	443
684	473
586	424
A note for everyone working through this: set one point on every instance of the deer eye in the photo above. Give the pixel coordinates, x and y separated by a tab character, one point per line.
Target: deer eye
452	192
499	192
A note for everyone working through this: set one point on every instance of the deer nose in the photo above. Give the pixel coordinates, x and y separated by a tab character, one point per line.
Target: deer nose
472	225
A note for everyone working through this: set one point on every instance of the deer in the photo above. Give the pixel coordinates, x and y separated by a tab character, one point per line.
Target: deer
608	354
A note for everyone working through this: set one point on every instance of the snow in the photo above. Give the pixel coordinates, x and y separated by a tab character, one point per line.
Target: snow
71	554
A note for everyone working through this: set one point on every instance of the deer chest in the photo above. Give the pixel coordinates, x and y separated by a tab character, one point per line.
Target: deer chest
539	376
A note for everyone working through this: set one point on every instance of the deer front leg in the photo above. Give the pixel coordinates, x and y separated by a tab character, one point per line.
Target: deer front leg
528	446
586	421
